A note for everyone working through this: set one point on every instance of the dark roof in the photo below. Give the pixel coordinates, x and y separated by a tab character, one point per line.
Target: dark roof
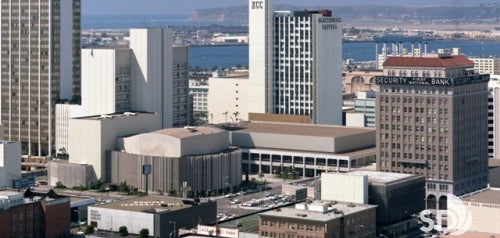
438	62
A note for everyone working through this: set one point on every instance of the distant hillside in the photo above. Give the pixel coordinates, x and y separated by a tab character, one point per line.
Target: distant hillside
481	13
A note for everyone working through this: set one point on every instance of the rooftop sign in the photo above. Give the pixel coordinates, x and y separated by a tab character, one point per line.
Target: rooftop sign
432	81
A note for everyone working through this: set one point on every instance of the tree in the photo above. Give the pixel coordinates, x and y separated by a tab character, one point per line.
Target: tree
59	184
62	154
89	230
96	184
123	231
144	233
236	115
123	187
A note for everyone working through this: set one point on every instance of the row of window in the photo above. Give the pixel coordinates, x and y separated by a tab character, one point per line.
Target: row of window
292	226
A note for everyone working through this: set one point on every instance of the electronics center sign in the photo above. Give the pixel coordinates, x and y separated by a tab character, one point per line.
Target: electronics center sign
329	23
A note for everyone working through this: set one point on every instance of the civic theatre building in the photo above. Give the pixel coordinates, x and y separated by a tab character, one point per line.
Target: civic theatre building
432	120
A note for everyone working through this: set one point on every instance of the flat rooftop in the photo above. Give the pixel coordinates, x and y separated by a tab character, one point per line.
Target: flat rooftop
382	177
188	131
9	193
115	115
148	204
491	196
336	210
300	129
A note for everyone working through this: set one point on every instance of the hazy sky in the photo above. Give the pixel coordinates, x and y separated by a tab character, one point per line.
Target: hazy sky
155	7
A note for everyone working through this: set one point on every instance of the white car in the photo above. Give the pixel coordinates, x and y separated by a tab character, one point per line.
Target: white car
235	201
230	195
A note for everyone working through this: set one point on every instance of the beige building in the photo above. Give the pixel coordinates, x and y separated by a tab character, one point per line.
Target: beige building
192	159
487	65
319	219
309	150
228	98
91	137
432	121
40	66
483	209
360	80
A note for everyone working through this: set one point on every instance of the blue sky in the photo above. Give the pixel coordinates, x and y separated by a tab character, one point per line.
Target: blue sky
156	7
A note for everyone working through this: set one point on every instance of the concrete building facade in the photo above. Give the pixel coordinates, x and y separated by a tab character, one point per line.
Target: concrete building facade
10	163
364	110
308	150
149	76
487	65
494	119
195	160
295	63
40	67
228	99
319	219
90	138
432	121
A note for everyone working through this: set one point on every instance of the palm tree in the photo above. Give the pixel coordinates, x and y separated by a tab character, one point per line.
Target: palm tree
225	114
236	113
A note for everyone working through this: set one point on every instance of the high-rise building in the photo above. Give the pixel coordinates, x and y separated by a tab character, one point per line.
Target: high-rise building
432	120
295	61
40	66
150	76
493	119
491	65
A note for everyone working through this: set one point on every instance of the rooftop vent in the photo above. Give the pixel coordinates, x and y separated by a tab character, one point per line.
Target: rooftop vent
190	128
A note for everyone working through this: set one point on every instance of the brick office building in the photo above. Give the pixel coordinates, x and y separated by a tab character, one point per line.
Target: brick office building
34	214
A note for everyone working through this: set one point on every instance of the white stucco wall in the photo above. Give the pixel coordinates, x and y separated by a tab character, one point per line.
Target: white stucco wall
346	188
229	95
89	138
113	219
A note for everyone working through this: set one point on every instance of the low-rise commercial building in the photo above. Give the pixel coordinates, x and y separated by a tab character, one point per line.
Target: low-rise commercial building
308	150
397	196
161	215
483	211
90	138
319	219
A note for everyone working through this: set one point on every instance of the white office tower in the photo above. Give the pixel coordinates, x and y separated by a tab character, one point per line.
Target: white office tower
150	76
295	63
260	52
151	72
